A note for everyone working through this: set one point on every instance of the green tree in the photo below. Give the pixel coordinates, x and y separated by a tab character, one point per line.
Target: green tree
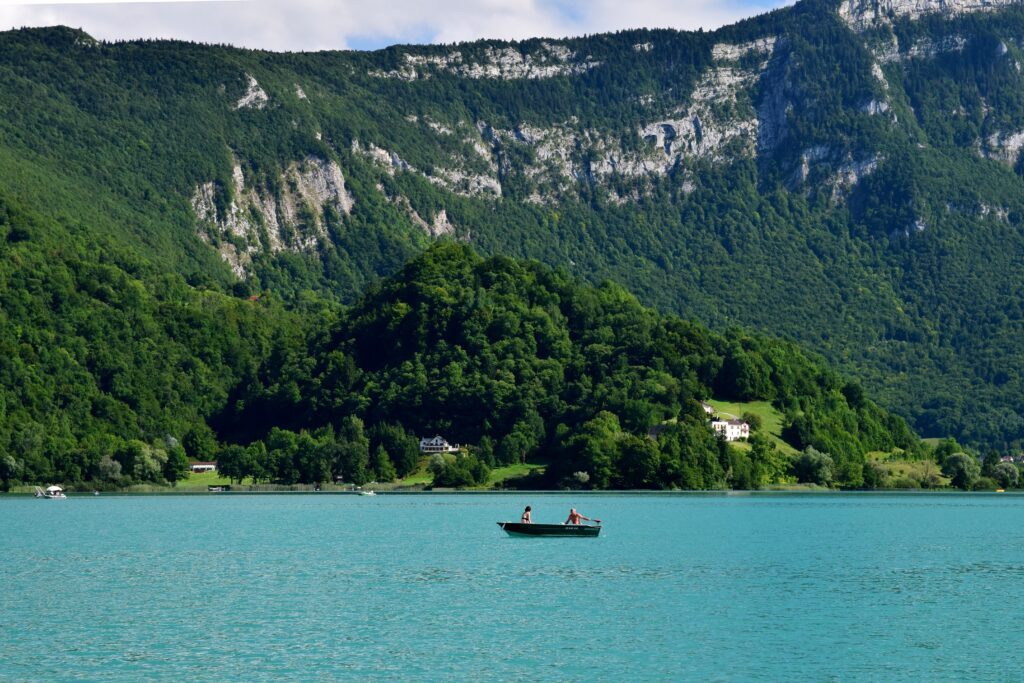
752	419
176	466
200	443
768	464
381	465
10	469
1006	474
402	448
352	456
874	476
963	470
232	462
314	465
638	462
593	448
458	470
109	469
814	467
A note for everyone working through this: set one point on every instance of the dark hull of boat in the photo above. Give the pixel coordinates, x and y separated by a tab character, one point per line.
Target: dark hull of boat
579	530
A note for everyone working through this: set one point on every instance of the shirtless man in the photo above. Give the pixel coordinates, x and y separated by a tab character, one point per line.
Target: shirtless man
575	517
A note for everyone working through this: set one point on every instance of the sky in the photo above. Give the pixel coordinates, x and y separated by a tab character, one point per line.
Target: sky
294	25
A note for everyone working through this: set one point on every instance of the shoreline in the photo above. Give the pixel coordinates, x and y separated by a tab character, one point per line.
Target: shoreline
544	492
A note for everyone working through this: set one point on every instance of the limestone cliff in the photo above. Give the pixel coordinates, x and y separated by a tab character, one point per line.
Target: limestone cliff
865	14
256	220
549	61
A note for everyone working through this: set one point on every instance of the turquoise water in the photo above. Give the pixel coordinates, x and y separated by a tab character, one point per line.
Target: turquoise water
427	587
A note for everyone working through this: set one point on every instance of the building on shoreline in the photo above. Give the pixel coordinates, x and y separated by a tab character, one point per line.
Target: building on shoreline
202	466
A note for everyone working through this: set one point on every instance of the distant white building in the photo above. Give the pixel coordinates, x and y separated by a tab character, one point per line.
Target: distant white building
437	445
732	430
200	466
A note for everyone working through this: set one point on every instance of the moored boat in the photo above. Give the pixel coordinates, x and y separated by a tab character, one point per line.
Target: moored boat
52	492
520	529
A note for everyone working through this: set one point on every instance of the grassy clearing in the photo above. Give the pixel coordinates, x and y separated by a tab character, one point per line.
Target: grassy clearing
925	473
421	476
198	481
771	421
499	475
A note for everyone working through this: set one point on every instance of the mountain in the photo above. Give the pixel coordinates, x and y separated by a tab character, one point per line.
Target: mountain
844	174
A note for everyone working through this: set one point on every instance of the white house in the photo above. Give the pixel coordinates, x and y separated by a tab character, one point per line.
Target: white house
437	445
199	466
732	430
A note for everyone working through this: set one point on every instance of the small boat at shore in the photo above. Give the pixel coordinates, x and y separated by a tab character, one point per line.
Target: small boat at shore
52	492
367	493
520	529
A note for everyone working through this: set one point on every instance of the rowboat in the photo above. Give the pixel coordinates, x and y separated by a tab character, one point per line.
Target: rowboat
520	529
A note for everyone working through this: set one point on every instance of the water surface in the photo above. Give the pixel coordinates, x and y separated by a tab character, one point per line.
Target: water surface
427	587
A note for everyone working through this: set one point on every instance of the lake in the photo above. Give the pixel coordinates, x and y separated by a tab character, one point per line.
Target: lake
427	587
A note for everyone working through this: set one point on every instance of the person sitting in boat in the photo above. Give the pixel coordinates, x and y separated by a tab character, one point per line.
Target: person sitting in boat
526	519
575	517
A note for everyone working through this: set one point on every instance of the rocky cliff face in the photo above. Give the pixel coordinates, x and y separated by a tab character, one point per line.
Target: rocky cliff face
254	98
721	114
255	220
747	101
864	14
499	63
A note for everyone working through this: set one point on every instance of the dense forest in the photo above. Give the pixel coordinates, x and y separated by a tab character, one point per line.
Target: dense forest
855	189
124	375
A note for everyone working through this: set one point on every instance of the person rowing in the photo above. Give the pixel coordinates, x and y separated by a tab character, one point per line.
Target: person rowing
575	518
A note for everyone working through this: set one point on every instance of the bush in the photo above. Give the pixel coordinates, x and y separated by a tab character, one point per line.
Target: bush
985	484
875	476
458	470
1007	474
964	470
753	420
814	467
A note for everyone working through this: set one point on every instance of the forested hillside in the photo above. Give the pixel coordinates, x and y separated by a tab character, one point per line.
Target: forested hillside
844	174
102	354
123	376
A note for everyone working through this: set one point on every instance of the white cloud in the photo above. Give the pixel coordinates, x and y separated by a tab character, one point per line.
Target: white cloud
339	24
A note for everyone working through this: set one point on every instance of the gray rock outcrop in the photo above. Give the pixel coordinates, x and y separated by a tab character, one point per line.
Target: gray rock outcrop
861	15
255	220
